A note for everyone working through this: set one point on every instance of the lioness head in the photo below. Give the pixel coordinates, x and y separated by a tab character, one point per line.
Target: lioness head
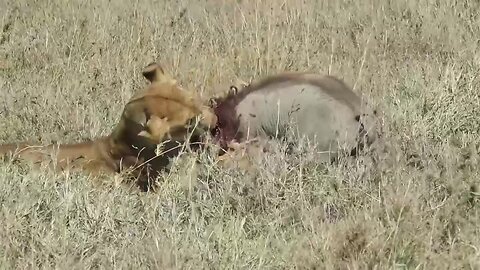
164	111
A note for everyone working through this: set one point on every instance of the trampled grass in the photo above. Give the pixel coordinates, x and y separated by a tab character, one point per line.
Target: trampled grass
68	67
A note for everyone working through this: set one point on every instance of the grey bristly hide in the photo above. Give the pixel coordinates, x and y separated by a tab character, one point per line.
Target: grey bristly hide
321	108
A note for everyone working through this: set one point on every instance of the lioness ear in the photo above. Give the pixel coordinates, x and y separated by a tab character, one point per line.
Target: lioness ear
154	72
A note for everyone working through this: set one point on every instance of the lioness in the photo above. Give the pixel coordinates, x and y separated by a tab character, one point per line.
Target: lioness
162	113
321	108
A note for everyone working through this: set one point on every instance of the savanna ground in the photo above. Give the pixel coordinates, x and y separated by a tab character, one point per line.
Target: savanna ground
68	67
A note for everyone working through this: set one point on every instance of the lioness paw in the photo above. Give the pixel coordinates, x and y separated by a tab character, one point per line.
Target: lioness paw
208	117
157	127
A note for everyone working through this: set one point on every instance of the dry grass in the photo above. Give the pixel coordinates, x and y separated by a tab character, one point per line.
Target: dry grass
68	67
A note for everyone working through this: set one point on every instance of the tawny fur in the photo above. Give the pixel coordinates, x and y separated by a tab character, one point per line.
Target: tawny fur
162	111
94	156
